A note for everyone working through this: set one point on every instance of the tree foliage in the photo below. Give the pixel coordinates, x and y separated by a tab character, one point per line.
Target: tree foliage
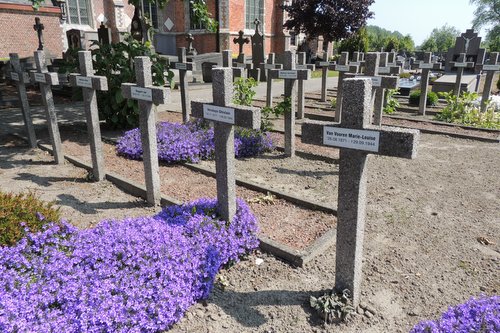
356	43
332	19
440	39
487	12
383	39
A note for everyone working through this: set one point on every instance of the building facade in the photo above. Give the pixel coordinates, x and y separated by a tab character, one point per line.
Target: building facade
172	24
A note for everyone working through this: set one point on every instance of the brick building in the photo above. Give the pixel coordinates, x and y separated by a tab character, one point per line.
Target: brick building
172	23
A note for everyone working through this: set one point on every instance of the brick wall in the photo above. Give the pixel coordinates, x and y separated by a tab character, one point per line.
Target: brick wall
17	34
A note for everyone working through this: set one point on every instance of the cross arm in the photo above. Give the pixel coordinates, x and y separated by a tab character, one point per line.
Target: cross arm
271	66
244	116
325	64
345	68
393	141
156	95
91	81
21	77
307	66
457	64
186	66
301	74
45	77
385	82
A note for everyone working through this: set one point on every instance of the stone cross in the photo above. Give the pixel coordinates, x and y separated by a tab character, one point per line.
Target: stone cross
290	74
45	81
147	95
426	65
387	68
183	66
190	49
225	116
357	60
258	52
301	102
266	67
391	59
38	27
325	67
21	78
241	41
342	67
490	68
460	64
379	84
227	62
356	138
89	84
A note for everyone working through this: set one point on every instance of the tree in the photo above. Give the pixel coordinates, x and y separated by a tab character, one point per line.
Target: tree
487	12
407	44
332	19
441	39
356	43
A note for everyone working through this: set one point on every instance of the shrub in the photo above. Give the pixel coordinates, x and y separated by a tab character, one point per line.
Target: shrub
122	276
277	111
22	212
405	75
244	91
115	61
464	110
432	98
392	103
191	142
476	315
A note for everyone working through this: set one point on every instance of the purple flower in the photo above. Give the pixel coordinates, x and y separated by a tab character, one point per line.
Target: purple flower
135	275
192	142
477	315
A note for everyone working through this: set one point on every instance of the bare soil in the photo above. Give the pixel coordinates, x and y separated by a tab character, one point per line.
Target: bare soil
431	239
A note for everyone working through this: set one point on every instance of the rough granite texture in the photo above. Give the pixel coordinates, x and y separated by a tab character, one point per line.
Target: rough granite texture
183	85
48	102
92	112
23	98
147	124
357	114
488	83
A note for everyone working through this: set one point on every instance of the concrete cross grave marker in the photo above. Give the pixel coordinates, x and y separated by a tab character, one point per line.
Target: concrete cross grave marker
266	67
290	74
379	84
89	84
460	64
183	66
225	116
227	62
357	139
325	67
45	81
147	95
426	66
342	67
387	68
357	60
241	41
38	27
22	78
301	99
490	68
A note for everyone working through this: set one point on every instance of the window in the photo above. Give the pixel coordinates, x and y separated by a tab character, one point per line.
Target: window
193	25
150	10
254	10
78	12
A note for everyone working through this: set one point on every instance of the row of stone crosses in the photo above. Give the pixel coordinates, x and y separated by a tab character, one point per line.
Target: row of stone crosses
355	135
354	132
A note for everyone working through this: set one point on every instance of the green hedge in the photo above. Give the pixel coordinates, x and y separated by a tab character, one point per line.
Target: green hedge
432	98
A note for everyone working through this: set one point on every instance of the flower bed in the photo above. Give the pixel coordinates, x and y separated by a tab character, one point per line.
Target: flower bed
192	142
135	275
481	315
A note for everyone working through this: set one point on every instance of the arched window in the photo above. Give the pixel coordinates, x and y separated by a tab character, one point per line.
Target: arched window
79	12
254	9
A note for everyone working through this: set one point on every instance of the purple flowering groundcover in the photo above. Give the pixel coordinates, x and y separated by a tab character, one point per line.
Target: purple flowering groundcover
478	315
136	275
192	142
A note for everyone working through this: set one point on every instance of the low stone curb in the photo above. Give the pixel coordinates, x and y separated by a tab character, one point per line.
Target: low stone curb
292	256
